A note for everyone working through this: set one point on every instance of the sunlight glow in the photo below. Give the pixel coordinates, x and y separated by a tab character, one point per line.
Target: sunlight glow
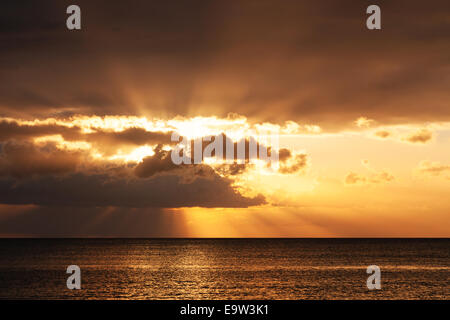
135	156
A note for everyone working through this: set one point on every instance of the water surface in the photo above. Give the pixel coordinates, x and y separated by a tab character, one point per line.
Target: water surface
225	268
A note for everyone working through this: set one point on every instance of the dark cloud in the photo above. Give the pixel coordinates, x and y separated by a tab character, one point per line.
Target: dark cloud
290	164
233	169
23	160
161	161
304	61
284	154
107	142
100	190
298	164
44	174
242	150
14	130
133	136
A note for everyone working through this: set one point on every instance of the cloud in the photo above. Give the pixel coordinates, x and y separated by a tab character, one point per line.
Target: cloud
421	136
160	60
353	178
102	190
109	142
161	161
135	136
290	163
381	177
46	175
12	129
284	154
234	169
383	134
105	140
296	164
22	160
241	148
404	134
49	174
80	162
433	168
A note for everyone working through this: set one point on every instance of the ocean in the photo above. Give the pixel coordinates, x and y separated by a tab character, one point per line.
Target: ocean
225	268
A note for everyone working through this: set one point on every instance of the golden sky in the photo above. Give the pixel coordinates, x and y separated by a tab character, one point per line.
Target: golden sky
362	119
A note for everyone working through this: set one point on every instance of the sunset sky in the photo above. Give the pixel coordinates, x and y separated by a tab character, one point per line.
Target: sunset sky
362	117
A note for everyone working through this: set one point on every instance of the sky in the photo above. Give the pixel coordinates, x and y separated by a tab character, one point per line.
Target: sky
359	119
